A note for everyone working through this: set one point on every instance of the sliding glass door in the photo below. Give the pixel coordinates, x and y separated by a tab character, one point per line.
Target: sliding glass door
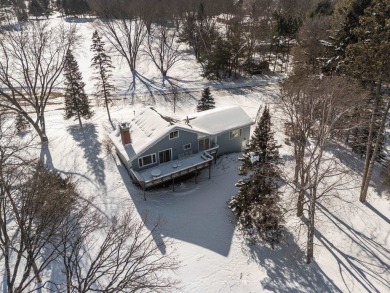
204	144
165	156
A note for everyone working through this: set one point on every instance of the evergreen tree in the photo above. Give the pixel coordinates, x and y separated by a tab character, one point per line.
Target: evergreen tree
236	42
206	102
256	204
74	7
199	31
358	137
323	7
39	8
101	62
21	123
76	101
351	11
217	63
367	59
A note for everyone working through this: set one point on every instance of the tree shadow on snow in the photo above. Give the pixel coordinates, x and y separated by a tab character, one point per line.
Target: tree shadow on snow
361	271
356	164
87	139
175	80
57	280
79	19
46	158
287	270
382	216
194	213
155	89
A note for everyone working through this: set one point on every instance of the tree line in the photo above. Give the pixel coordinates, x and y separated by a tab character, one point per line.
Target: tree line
337	93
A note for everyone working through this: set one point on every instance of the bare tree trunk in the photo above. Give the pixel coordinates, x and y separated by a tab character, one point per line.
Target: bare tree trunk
311	227
300	173
105	91
369	144
41	132
367	178
108	110
276	58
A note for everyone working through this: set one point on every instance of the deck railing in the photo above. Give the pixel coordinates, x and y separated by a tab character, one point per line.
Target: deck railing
210	155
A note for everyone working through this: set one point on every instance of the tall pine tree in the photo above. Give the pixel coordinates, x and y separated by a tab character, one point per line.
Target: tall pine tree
39	7
256	204
206	102
101	62
368	60
76	101
74	7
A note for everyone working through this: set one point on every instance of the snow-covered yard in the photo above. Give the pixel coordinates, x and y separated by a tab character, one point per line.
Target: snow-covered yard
352	249
352	244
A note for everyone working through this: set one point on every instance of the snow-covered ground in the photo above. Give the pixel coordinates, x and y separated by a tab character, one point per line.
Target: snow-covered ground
352	245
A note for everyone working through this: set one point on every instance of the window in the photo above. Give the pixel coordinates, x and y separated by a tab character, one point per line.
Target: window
147	160
174	134
165	156
235	133
187	146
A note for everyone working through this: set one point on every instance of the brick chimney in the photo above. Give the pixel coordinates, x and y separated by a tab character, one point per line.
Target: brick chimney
125	133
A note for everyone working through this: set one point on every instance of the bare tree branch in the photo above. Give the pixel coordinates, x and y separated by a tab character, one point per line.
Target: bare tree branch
32	59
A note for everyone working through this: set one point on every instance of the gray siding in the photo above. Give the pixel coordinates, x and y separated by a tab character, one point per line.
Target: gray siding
227	145
175	144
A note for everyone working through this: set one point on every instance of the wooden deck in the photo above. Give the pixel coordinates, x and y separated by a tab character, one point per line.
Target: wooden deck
181	169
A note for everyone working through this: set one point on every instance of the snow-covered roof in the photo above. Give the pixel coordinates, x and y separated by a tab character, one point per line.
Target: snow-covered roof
149	127
144	128
220	120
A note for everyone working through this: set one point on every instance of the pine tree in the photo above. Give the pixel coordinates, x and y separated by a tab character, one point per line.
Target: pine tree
351	11
256	204
367	60
217	63
206	102
76	101
21	124
358	138
101	62
74	7
39	7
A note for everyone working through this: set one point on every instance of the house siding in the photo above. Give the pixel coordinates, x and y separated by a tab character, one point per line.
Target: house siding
227	145
176	144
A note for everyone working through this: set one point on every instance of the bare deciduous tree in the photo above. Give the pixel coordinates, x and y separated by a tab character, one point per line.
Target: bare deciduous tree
32	60
123	27
163	48
126	35
316	109
122	258
313	46
43	220
33	202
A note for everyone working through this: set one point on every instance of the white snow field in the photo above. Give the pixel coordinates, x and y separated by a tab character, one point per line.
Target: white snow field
352	243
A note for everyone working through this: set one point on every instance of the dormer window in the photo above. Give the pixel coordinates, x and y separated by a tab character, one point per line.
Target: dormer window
174	134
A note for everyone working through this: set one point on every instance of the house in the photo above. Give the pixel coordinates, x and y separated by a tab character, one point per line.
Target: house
156	148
